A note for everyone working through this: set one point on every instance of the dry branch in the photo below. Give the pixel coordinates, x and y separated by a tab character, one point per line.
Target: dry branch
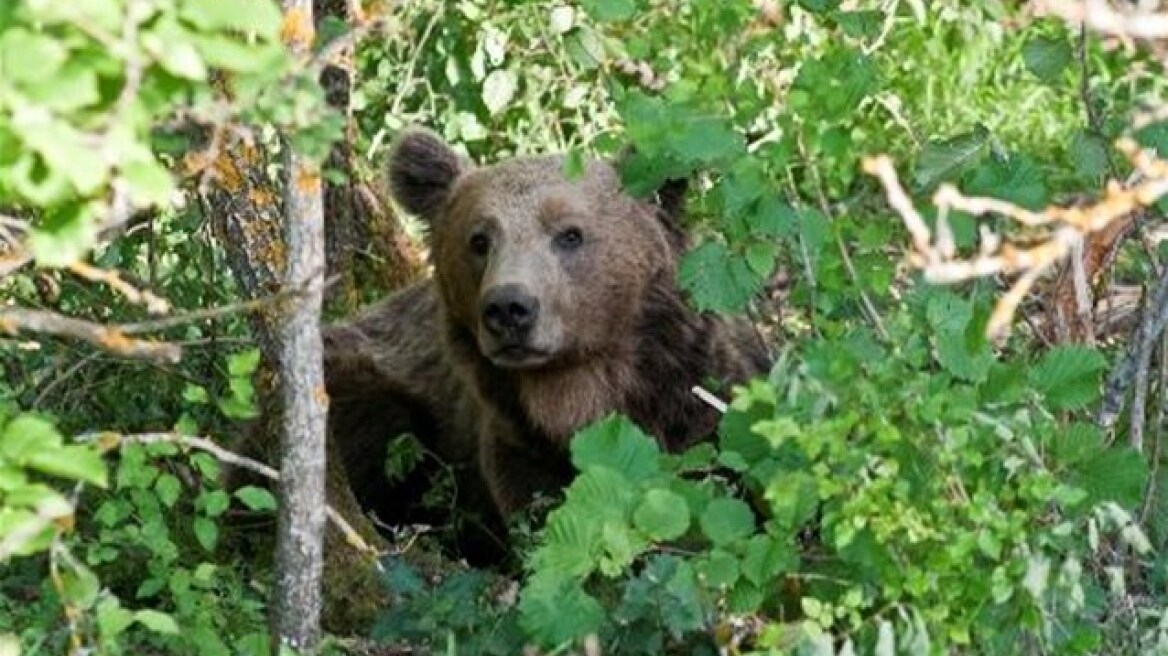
1062	229
108	338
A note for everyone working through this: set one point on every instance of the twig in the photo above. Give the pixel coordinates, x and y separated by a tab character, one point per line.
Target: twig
241	307
12	262
709	398
153	303
1066	228
1152	321
16	320
113	440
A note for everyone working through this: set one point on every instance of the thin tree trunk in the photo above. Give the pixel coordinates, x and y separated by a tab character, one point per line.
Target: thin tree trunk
300	533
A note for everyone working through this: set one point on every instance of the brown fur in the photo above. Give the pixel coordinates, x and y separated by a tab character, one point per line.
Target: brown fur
612	332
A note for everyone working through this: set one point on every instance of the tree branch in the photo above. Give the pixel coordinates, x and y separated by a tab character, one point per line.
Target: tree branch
108	338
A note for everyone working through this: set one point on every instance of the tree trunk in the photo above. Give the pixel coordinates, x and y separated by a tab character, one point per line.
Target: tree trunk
366	249
300	532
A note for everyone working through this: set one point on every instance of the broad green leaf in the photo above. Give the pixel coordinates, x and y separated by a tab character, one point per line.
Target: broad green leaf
214	503
26	436
256	498
29	56
554	612
156	621
727	520
259	16
76	462
168	488
149	182
1017	178
1116	474
718	280
617	443
1089	155
64	237
719	570
610	10
766	559
1069	376
206	532
79	586
663	515
243	363
947	159
1047	58
863	24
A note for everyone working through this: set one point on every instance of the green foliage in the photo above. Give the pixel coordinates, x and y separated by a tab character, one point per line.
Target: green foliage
876	482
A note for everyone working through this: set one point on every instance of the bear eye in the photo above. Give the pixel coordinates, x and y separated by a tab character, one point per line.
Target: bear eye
569	239
480	244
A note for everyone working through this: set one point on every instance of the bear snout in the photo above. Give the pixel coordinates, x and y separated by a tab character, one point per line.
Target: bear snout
509	313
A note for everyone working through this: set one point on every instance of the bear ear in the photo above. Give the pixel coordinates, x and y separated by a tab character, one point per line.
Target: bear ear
422	171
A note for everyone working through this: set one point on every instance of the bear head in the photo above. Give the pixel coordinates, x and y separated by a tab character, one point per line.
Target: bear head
540	269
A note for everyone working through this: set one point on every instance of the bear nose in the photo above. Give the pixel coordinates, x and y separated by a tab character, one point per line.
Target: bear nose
508	310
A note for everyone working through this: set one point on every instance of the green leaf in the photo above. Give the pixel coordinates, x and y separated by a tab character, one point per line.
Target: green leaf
766	559
616	443
718	280
156	621
243	363
206	532
260	16
63	237
1069	376
946	160
761	258
863	24
26	436
76	462
719	570
256	498
556	611
607	11
663	515
1047	58
214	503
727	520
1017	178
27	56
1116	474
149	182
168	488
1089	155
79	586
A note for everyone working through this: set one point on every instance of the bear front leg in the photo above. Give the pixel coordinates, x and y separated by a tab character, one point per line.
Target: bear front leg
516	471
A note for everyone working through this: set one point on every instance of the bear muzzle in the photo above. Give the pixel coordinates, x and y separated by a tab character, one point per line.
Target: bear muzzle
508	317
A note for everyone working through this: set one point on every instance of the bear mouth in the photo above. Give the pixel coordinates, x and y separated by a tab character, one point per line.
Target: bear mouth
519	356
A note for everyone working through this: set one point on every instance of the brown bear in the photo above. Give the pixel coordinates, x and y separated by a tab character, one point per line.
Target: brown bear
553	303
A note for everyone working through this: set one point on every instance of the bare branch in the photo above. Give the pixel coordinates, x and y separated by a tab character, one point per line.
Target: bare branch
112	339
1064	229
154	304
